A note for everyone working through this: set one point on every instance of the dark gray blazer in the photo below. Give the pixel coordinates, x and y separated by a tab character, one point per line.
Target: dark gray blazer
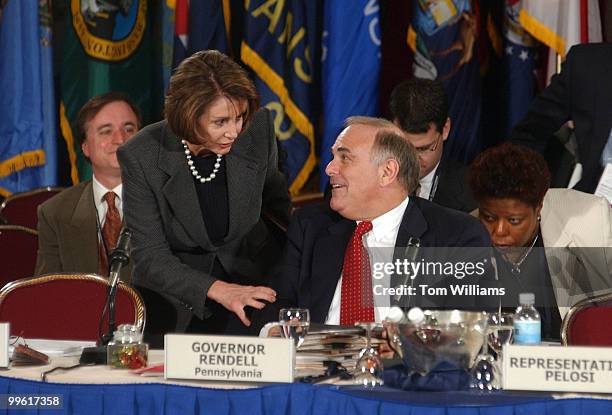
170	247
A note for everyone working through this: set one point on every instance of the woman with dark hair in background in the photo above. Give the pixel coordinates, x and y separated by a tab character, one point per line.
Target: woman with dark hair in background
195	187
555	243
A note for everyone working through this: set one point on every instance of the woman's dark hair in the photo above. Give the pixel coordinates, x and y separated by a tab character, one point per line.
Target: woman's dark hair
197	82
510	171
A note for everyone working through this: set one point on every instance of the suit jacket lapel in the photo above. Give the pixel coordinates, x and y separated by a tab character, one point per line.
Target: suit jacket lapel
327	261
241	170
81	234
180	191
413	224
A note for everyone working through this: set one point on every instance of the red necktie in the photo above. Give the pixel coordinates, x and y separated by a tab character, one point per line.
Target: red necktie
357	300
110	233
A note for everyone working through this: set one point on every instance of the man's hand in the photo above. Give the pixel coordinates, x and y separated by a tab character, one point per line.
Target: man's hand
235	297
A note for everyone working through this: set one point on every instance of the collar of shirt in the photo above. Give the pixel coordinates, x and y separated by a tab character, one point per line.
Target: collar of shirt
426	183
383	235
385	227
98	194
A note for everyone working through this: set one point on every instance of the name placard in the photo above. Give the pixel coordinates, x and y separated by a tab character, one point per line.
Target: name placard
557	368
229	358
5	333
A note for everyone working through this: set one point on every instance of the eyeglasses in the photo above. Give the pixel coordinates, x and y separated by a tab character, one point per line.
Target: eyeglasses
430	147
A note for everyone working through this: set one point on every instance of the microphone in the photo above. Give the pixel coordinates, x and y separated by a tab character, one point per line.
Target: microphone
410	253
120	256
496	275
117	259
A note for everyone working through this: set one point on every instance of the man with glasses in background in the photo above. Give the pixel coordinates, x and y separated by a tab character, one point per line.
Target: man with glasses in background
420	108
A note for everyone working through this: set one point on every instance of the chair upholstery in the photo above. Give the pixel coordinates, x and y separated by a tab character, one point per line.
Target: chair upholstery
21	208
588	322
66	306
18	247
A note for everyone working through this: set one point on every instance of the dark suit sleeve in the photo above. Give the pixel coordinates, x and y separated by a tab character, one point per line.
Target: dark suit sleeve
474	234
157	267
275	197
548	112
287	285
48	257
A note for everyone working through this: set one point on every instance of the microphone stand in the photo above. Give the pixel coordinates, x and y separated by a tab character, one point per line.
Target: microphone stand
118	258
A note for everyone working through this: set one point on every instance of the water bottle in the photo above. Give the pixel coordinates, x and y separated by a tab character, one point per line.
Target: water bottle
527	323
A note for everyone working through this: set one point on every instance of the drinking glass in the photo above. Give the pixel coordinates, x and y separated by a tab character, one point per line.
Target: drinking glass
500	331
485	374
369	367
294	323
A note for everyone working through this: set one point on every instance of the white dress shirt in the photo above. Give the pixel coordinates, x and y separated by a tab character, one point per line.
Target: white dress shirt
427	182
98	193
383	235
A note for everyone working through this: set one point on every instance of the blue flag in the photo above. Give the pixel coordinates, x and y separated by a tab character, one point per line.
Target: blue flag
200	25
166	15
351	44
27	124
280	43
519	53
443	37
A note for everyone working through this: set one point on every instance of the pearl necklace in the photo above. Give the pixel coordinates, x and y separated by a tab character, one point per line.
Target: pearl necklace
194	172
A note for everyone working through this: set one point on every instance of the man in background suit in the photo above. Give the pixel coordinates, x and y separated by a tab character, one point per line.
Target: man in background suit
420	108
582	93
76	229
373	170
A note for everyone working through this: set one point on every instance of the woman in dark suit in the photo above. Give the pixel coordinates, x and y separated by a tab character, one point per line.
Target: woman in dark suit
195	185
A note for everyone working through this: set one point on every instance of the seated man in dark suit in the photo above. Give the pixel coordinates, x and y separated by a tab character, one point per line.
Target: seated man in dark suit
420	108
373	172
79	227
581	93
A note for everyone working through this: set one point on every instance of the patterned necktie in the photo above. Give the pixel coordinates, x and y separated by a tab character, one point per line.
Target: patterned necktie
357	300
110	233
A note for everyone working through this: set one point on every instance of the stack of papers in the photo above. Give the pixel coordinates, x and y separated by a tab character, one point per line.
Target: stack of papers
53	348
325	343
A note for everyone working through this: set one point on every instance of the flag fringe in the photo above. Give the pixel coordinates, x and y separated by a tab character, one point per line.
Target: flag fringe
301	121
542	32
34	158
67	133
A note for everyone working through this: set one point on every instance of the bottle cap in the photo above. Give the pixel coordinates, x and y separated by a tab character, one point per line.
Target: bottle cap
527	298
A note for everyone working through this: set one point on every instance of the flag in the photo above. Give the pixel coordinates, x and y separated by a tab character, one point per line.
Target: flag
560	24
27	124
280	45
443	37
167	13
351	45
519	63
107	47
200	25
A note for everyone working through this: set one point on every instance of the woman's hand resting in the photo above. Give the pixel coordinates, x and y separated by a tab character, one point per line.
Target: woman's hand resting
235	297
